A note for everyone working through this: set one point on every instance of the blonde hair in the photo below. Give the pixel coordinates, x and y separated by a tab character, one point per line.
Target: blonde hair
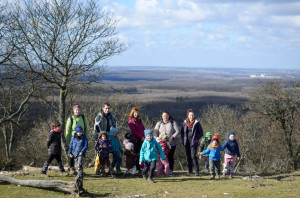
134	109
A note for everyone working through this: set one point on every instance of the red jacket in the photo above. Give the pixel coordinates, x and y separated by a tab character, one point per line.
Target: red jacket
137	129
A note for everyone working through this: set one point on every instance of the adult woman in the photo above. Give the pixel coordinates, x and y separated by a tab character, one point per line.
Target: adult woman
168	126
137	132
191	132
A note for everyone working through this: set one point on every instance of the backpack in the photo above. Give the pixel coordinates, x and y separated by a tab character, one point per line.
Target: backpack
85	127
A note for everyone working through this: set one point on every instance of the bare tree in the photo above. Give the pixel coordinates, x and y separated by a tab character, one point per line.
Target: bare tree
64	41
281	106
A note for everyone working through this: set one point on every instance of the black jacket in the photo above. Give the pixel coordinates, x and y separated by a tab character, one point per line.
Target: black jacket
54	142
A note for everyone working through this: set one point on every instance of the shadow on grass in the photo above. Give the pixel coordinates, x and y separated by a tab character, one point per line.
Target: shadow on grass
99	195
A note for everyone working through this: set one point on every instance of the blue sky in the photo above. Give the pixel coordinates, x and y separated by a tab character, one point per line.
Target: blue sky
208	33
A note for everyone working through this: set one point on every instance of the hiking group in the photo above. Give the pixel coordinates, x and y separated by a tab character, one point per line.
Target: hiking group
143	148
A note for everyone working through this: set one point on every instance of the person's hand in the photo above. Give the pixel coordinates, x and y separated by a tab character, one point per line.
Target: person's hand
171	140
238	158
103	146
140	163
100	146
71	156
80	154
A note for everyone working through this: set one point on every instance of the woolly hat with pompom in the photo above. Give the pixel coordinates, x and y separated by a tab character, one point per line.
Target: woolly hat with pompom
216	137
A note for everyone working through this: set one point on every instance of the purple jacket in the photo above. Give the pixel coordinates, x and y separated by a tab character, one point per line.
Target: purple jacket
103	152
197	133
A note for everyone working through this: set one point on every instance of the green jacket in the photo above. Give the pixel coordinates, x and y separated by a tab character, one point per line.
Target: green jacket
70	130
204	144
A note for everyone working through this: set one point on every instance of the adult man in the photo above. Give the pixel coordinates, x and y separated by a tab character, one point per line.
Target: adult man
103	122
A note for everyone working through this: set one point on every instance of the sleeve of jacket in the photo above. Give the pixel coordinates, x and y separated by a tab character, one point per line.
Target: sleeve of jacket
49	140
86	146
182	133
97	128
176	128
110	146
161	152
142	152
115	122
199	131
238	150
68	131
222	148
156	129
86	128
207	151
71	146
134	130
97	146
120	148
225	145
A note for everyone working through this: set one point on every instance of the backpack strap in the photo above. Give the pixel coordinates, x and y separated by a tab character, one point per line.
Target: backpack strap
84	124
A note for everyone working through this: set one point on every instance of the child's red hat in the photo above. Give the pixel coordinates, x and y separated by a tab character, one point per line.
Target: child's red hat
216	137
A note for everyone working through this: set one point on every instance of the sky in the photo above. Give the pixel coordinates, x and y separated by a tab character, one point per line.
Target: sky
208	33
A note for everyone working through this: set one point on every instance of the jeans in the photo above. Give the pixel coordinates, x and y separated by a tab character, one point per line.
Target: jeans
191	153
152	166
49	160
214	164
171	157
116	161
78	164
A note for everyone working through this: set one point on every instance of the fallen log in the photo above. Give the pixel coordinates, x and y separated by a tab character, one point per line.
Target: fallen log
73	187
32	169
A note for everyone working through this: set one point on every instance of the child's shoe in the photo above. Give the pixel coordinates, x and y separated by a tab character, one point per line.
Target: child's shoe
151	180
144	177
132	176
44	175
218	176
97	172
223	175
124	176
212	177
118	172
196	174
230	176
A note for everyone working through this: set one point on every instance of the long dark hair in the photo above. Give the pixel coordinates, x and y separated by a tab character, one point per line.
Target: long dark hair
170	117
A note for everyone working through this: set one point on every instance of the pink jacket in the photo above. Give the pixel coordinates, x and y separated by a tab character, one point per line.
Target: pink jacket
137	129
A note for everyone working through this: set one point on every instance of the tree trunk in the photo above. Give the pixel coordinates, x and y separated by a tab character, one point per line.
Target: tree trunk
62	112
74	187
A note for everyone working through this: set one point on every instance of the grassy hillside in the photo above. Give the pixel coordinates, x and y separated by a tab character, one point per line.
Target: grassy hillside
286	185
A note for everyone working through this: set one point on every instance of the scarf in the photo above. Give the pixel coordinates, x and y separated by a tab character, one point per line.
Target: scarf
190	124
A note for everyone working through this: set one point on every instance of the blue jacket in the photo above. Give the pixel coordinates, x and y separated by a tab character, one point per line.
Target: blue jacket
116	146
149	151
103	152
232	147
78	144
214	153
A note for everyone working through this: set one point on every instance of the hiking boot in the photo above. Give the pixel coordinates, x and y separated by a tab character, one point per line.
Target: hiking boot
64	173
230	176
118	172
212	177
144	177
44	175
151	180
196	174
97	172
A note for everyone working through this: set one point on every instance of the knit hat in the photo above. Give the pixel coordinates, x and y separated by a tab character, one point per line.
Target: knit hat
113	130
231	133
208	134
128	145
78	129
76	107
216	137
148	131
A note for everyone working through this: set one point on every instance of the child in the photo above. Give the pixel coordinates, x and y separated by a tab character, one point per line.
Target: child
77	149
231	149
54	148
116	150
131	157
103	146
165	145
203	145
149	155
214	156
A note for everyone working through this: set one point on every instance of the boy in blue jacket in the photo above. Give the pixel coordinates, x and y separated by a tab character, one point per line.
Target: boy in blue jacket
213	150
116	150
77	149
149	155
